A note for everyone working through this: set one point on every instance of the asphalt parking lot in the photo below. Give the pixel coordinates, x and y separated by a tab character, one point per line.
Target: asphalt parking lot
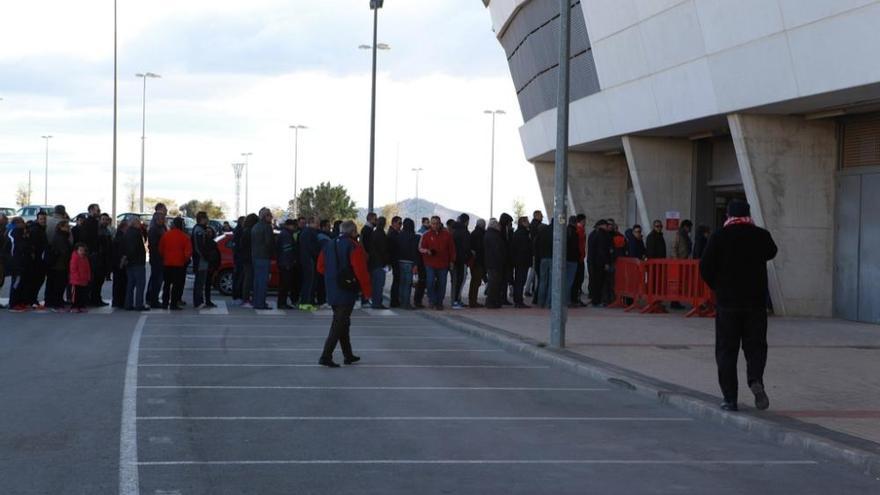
235	403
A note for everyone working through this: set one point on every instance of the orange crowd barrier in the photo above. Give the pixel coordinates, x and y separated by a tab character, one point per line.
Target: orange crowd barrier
629	284
646	285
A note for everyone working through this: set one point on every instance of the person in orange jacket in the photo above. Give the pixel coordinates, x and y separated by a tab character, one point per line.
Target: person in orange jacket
176	250
80	277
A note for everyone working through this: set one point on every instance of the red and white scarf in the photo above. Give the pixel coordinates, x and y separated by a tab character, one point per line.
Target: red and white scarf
739	221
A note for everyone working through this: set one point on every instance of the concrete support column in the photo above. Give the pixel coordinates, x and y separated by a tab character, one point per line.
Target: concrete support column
787	166
662	177
597	185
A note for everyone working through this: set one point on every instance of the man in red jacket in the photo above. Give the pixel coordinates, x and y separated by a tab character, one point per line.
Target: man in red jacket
176	250
438	253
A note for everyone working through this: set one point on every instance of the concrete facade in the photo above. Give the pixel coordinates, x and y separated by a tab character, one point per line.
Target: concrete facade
661	170
787	165
597	185
715	100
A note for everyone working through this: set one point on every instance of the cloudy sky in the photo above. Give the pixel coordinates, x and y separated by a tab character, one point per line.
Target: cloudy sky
234	75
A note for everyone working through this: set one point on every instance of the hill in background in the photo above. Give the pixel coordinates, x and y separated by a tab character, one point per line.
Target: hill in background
415	209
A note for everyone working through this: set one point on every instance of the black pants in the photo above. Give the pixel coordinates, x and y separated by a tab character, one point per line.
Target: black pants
395	285
209	284
97	283
458	272
578	283
735	328
35	280
339	332
419	295
120	281
56	282
80	295
285	281
237	276
495	288
597	283
520	274
172	290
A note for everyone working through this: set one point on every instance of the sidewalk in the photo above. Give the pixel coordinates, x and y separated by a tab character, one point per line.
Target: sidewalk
820	371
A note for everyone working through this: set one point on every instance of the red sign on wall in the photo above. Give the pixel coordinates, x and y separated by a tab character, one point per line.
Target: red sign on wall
673	220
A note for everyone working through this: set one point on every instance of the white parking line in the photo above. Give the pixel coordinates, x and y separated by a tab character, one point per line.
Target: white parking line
318	337
635	462
304	365
293	325
220	310
128	457
295	387
601	419
300	349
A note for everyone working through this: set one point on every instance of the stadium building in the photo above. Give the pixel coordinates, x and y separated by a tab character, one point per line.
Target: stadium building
679	106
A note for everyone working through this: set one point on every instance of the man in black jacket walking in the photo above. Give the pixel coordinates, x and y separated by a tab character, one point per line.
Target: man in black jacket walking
598	260
734	265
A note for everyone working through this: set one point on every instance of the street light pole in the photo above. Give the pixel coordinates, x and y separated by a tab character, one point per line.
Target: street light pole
247	183
113	201
296	129
559	295
237	169
144	76
493	113
375	5
46	175
417	171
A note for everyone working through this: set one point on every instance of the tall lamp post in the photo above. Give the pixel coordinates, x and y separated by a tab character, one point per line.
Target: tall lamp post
247	184
46	175
417	171
375	5
144	76
493	113
296	128
237	168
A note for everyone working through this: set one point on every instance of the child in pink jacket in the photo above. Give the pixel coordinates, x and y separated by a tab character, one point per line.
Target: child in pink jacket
80	276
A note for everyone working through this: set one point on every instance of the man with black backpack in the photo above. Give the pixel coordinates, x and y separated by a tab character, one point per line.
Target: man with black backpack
343	262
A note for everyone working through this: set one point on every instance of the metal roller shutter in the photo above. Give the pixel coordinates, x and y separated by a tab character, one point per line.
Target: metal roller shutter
861	141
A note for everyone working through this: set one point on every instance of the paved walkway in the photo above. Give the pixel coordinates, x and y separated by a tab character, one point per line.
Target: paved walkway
820	371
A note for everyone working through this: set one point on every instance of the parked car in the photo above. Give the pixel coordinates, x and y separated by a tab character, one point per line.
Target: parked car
223	280
145	217
29	212
9	212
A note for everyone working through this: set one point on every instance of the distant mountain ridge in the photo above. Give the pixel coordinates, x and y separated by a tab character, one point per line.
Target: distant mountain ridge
416	209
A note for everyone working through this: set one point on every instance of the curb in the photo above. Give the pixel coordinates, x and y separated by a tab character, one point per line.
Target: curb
689	401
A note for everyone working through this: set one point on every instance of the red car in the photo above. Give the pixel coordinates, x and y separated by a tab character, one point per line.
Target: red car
223	281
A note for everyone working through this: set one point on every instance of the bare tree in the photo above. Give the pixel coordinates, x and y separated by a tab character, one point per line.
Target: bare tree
22	195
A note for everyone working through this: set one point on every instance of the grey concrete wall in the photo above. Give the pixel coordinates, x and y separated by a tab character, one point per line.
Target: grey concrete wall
787	166
597	186
544	171
662	176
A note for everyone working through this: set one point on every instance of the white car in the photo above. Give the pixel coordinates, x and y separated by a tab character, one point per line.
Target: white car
29	212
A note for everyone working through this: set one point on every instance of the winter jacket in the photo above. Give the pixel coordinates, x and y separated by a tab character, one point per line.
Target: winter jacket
21	252
118	249
262	241
342	251
88	234
366	237
393	255
476	243
199	234
496	251
655	245
635	248
599	248
80	270
440	247
211	254
175	248
734	265
309	248
39	243
700	246
286	249
521	248
572	250
407	246
378	256
544	242
135	252
462	239
682	246
618	245
154	237
58	256
582	241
